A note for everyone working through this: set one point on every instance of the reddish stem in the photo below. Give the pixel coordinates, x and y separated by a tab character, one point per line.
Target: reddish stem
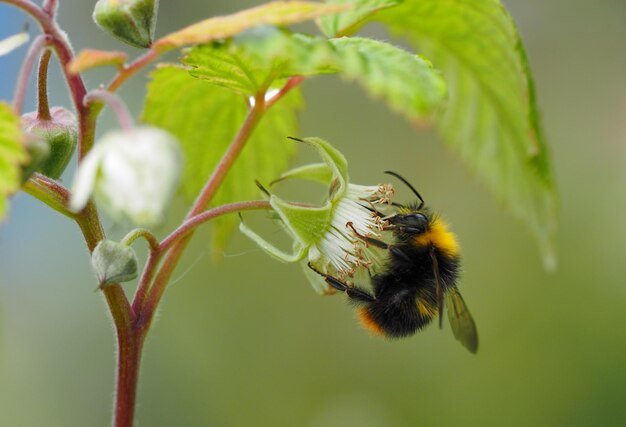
192	223
117	105
24	76
128	70
155	293
291	83
128	362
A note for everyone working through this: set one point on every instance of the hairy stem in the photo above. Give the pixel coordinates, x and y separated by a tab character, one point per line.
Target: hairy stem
192	223
128	70
24	76
49	192
43	109
50	7
161	279
117	105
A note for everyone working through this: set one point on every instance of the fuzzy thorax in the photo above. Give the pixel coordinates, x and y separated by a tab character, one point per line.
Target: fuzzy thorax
439	236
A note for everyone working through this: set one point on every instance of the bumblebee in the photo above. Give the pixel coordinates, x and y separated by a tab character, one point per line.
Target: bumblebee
421	270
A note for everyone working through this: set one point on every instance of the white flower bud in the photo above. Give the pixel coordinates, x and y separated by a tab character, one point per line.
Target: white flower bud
132	174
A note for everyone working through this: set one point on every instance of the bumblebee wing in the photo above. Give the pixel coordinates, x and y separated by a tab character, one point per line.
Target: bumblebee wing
461	321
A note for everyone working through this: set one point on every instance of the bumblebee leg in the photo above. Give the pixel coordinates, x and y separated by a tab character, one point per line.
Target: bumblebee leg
433	257
373	242
352	291
399	253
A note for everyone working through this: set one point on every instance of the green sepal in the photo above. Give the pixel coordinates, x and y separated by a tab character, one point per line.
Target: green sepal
307	223
335	161
299	251
113	262
317	172
38	152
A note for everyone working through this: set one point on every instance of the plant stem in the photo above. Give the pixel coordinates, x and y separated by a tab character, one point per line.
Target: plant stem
117	105
128	70
147	310
49	192
50	7
24	76
141	232
128	362
59	41
192	223
292	82
229	157
43	109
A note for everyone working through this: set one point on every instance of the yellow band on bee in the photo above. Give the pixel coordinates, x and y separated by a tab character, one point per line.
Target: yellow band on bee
439	236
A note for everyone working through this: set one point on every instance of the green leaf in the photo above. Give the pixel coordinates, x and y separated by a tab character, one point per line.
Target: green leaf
407	82
12	155
205	118
346	23
221	27
257	57
491	119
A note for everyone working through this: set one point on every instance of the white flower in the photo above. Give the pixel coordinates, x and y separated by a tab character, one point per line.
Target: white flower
329	237
132	174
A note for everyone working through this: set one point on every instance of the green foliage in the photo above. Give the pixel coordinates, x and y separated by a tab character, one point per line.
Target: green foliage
205	118
12	155
251	61
407	82
346	23
491	119
246	64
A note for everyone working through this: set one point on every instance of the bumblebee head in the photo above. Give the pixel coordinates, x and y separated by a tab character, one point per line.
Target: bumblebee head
411	222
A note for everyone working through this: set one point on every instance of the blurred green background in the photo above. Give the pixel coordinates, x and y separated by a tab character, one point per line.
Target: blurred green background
245	341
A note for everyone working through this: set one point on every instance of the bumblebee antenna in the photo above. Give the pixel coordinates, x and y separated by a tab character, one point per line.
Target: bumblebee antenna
392	173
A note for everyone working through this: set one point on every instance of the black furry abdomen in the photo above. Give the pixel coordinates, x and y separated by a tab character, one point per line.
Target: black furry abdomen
406	293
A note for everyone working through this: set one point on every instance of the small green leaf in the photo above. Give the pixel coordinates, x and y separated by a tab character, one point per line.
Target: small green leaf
205	118
12	155
255	58
113	262
491	119
221	27
407	82
347	23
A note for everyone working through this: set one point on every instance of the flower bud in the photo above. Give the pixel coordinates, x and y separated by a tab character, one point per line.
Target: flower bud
132	174
38	152
60	134
113	262
131	21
